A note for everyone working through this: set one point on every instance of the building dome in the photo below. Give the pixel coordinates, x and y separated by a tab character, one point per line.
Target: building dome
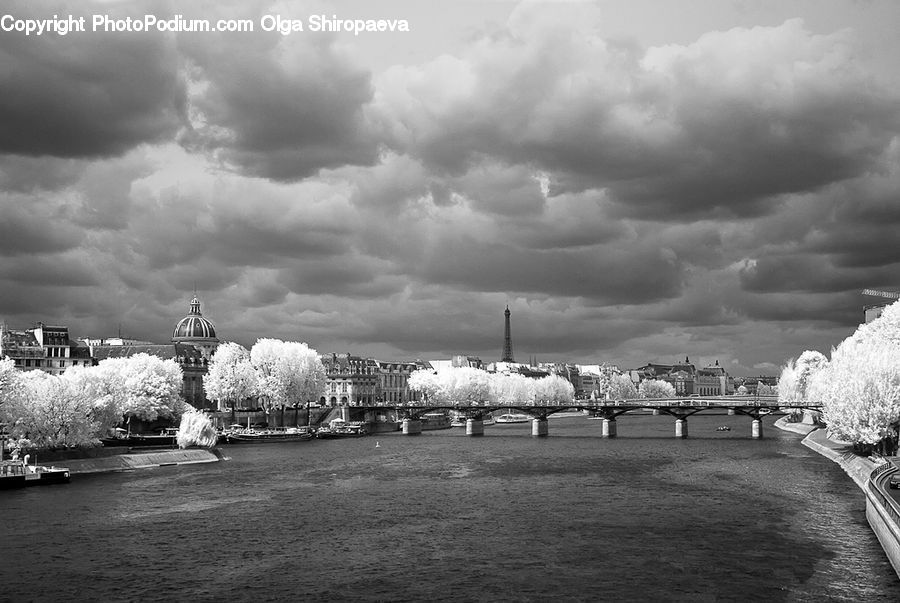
193	327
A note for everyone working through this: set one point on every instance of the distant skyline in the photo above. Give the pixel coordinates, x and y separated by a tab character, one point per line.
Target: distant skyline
638	181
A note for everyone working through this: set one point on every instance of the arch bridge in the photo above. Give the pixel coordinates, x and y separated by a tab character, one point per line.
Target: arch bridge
680	408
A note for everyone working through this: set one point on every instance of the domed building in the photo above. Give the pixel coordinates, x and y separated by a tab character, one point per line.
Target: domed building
196	330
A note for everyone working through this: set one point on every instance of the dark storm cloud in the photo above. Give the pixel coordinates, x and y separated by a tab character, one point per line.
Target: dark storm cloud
281	108
346	276
720	127
86	95
727	196
50	270
635	273
844	308
29	226
21	174
806	275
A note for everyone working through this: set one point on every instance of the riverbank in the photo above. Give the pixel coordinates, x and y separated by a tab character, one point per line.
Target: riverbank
143	460
857	467
882	522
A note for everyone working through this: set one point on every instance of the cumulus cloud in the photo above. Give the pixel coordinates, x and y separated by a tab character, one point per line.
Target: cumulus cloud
282	107
88	95
631	203
721	126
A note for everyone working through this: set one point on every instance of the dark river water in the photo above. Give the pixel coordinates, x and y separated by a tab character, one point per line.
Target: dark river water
445	517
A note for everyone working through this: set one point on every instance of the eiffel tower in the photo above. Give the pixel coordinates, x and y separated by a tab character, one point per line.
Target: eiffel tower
507	341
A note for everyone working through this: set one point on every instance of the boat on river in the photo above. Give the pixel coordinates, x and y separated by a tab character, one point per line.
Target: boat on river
435	420
460	420
167	437
290	434
512	417
342	429
18	474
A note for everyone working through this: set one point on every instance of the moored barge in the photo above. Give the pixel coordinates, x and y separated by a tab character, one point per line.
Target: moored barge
16	474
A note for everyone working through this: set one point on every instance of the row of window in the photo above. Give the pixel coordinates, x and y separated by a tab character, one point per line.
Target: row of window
39	362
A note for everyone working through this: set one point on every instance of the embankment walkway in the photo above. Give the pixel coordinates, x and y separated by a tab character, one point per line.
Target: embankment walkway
880	511
142	460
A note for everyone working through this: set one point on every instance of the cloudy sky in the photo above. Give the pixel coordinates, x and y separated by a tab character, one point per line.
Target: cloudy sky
638	180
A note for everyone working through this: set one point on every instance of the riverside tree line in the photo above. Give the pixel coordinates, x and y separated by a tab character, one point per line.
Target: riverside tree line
858	387
84	404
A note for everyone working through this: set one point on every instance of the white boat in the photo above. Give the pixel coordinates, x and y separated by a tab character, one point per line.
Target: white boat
435	420
460	420
511	417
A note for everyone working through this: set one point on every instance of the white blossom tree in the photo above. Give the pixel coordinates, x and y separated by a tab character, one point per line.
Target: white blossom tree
553	390
656	388
764	389
468	386
860	391
51	412
147	387
196	429
230	377
287	373
796	376
860	387
622	388
458	385
434	390
511	389
9	387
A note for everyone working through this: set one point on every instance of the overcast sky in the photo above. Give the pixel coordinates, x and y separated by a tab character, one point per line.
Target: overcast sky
638	180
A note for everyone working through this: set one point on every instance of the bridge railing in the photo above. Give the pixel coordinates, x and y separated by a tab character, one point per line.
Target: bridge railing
707	401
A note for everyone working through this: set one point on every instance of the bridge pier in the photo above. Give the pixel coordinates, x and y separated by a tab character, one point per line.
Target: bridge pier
474	427
756	431
411	426
539	427
608	429
681	428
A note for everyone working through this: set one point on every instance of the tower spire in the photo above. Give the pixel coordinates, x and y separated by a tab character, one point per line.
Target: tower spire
507	340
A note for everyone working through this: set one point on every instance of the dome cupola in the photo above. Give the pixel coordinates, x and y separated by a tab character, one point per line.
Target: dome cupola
193	328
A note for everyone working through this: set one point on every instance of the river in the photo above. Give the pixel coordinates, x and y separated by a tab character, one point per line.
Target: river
445	517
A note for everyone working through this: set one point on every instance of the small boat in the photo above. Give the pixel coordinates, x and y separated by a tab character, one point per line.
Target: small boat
435	420
513	418
17	474
342	429
460	420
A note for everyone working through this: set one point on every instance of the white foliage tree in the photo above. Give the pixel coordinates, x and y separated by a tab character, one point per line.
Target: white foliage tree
287	373
656	388
230	377
458	385
796	376
553	390
429	384
468	386
860	387
196	429
52	412
622	388
10	386
147	387
511	389
860	391
764	389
